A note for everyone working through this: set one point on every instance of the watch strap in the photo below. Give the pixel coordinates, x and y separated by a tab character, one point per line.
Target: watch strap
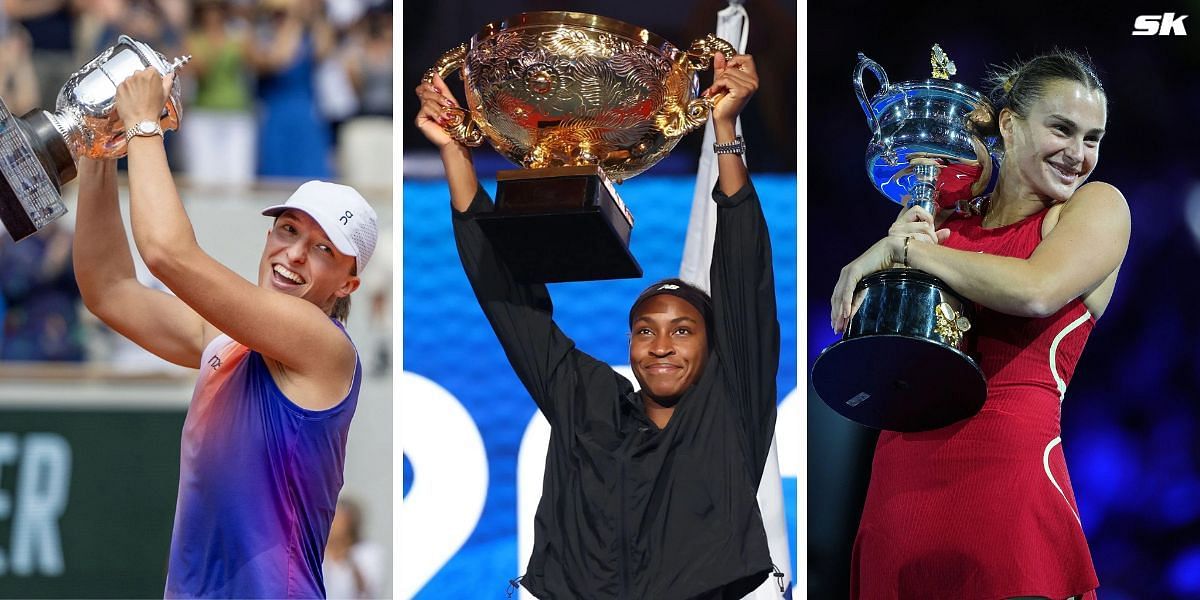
136	130
737	146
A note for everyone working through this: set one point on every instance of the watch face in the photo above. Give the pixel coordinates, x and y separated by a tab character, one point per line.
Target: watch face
147	127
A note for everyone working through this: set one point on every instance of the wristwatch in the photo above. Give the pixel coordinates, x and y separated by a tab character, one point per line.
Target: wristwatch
143	128
737	146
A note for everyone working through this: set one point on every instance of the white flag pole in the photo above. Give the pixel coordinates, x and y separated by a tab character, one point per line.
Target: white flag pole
733	26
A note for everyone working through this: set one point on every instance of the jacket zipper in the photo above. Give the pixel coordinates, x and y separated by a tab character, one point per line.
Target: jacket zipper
624	537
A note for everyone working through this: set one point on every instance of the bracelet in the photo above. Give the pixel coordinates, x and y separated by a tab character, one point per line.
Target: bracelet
906	240
737	146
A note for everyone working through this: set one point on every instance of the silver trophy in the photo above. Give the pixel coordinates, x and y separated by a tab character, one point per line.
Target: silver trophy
38	150
904	361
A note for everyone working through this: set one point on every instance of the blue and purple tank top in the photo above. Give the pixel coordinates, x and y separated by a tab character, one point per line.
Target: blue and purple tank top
259	479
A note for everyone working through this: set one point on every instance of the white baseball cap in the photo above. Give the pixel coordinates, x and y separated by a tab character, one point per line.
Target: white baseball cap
342	213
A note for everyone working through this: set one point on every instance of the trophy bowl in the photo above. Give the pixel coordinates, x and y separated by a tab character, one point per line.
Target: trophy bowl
39	149
577	101
550	89
86	109
904	362
937	120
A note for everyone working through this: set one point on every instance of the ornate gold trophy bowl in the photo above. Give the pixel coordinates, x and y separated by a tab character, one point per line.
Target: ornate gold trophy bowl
577	101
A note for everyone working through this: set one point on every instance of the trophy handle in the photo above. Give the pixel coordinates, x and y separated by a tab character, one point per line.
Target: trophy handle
462	127
699	58
865	63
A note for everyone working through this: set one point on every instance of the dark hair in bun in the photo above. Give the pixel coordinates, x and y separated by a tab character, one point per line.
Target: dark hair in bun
1017	86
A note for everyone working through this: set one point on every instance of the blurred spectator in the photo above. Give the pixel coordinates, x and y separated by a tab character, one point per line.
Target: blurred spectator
344	13
18	83
51	27
219	136
376	346
336	96
365	141
369	59
154	22
38	285
353	568
293	140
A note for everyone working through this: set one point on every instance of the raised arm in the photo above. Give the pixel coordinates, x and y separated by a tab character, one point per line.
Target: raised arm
738	78
156	321
456	158
275	53
743	279
289	329
520	315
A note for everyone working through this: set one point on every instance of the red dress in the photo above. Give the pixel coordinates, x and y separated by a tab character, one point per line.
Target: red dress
983	509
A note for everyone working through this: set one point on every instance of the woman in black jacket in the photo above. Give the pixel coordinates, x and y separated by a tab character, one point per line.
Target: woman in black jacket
651	493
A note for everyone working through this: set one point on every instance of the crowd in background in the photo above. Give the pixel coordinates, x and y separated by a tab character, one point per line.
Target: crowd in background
275	90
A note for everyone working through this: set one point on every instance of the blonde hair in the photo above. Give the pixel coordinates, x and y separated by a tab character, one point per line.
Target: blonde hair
341	306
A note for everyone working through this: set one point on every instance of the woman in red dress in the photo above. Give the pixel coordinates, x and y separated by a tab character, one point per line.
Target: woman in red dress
983	508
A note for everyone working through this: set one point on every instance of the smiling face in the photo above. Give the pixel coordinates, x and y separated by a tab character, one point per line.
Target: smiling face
668	347
1056	146
299	260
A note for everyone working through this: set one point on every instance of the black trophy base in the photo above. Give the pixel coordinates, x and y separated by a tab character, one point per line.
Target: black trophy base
902	365
899	383
12	213
560	224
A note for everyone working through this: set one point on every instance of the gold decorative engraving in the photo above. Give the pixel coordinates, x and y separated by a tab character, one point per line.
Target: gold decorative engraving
568	89
943	67
950	324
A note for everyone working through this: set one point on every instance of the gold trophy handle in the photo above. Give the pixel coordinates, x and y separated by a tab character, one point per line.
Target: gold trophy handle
461	127
699	58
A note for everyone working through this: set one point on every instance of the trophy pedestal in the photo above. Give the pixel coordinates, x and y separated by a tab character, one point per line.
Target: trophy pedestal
560	224
898	383
35	162
903	364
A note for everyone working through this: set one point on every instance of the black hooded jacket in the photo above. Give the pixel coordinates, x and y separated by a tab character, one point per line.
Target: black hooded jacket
629	511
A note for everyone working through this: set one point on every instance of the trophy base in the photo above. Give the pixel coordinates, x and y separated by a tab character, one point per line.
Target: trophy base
12	214
899	383
34	164
560	224
902	364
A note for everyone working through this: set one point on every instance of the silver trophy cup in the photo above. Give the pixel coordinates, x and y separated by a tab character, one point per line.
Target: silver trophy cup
39	149
904	362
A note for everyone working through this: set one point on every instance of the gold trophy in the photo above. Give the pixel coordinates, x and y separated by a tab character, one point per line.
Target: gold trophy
577	101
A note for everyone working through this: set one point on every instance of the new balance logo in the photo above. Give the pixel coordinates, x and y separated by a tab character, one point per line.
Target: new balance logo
1164	24
215	362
